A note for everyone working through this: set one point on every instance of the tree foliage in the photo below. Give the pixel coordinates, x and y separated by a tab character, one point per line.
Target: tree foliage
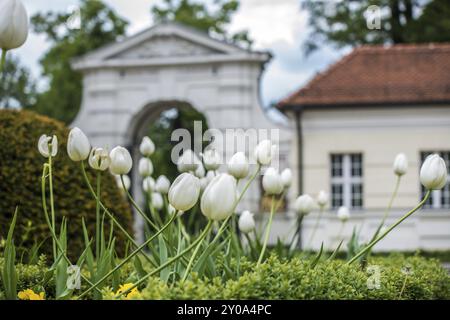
345	23
212	17
99	25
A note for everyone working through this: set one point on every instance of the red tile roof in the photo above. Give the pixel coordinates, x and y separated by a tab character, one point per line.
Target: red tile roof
377	75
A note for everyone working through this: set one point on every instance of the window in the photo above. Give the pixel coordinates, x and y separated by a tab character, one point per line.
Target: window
439	199
346	180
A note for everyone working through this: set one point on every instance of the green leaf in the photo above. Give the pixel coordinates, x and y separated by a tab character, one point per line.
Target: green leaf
317	258
9	272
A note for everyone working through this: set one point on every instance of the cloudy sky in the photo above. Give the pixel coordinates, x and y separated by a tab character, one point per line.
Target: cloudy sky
279	26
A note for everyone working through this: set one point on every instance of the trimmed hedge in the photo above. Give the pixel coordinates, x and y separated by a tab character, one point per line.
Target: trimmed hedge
20	185
334	280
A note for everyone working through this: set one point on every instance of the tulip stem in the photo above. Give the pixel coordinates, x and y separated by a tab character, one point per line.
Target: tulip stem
97	216
124	261
172	260
266	237
3	60
375	241
391	201
52	205
316	225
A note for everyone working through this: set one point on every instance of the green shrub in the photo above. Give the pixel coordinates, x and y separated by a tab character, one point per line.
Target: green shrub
294	279
20	185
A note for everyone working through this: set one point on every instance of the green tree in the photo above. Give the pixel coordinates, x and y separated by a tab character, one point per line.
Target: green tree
344	23
17	87
99	25
212	17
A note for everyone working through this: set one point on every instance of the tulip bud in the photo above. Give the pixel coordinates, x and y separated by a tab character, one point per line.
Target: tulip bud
99	159
78	146
400	164
433	174
148	184
126	182
246	222
162	184
211	159
322	199
264	152
286	178
171	210
271	182
147	147
238	165
304	204
157	201
200	171
203	184
48	145
343	214
121	161
219	198
13	24
188	161
145	167
184	192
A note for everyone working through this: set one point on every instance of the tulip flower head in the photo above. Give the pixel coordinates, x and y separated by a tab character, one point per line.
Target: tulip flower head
304	204
200	171
286	178
238	165
322	199
99	159
162	184
188	162
400	164
13	24
219	198
145	167
264	152
157	201
148	184
272	183
246	222
184	192
147	147
433	174
48	145
343	214
211	159
78	146
121	161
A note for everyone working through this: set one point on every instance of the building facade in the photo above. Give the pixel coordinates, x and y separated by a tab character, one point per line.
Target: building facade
350	123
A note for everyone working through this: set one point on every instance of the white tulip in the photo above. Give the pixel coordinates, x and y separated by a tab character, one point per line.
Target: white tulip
286	178
99	159
246	222
157	201
162	184
400	164
121	161
343	214
13	24
188	161
433	174
203	183
271	181
219	198
184	192
322	198
47	144
238	165
78	146
171	210
145	167
126	182
304	204
147	147
210	175
148	184
264	152
211	159
200	171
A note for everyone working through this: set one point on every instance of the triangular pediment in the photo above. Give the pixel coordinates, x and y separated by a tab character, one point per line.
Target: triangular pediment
162	46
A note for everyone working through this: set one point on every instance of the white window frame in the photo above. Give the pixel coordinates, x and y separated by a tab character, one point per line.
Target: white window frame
436	195
347	180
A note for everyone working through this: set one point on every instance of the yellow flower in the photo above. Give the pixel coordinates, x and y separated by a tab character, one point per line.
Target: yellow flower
132	294
30	295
